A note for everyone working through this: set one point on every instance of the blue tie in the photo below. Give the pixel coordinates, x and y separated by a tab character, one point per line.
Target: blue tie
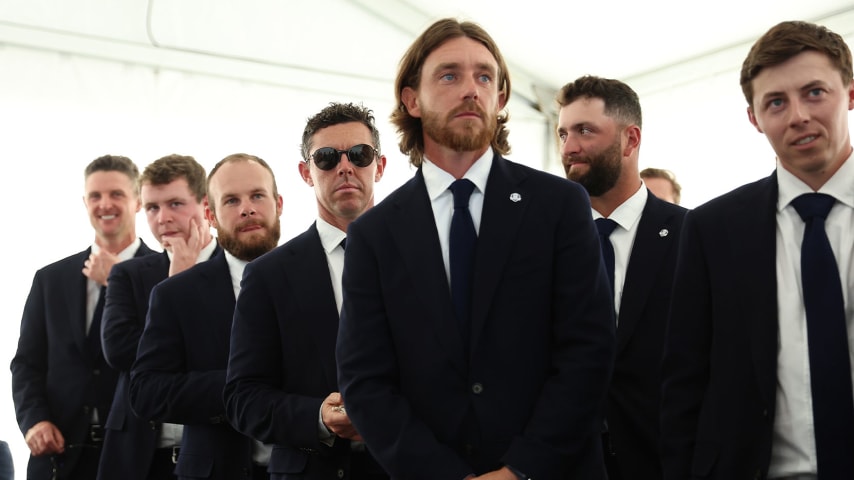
606	226
461	258
827	339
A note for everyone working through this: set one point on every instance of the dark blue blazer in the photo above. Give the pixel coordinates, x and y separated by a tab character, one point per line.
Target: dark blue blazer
130	441
720	363
531	393
634	395
179	372
282	362
55	374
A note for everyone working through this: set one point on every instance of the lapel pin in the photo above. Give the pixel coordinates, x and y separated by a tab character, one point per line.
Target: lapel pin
663	232
515	197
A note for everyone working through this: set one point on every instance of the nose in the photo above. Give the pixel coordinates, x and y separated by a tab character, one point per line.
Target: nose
798	113
162	216
248	210
569	146
344	166
470	88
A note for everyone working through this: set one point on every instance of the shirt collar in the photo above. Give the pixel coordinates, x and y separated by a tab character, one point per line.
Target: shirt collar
840	186
235	265
330	236
204	254
437	180
630	211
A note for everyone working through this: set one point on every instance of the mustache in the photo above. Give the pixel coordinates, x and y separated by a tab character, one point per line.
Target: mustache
468	106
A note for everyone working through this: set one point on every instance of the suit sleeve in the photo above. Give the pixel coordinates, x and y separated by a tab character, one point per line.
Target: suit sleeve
161	387
29	366
257	403
686	355
121	326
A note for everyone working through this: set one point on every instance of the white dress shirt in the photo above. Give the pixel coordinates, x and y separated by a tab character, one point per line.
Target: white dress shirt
627	216
93	289
442	199
793	447
330	239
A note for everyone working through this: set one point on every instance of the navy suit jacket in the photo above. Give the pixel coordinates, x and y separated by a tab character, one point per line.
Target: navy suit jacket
282	362
55	374
129	441
720	363
634	396
531	393
179	372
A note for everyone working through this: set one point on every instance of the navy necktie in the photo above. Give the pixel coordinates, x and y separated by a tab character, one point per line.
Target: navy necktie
94	336
461	257
827	340
343	244
606	226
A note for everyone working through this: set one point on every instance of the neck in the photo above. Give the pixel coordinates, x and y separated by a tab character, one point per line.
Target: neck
116	244
606	203
454	162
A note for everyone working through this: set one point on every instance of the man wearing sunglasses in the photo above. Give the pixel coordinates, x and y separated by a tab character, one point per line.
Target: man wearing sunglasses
477	334
282	385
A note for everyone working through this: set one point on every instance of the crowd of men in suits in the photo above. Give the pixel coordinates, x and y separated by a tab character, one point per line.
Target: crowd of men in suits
488	320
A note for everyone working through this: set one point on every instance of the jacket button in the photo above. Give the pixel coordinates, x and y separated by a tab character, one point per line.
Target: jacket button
477	389
96	372
340	473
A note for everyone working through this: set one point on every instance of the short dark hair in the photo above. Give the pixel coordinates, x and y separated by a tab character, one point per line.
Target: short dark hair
114	163
787	39
409	75
664	175
621	102
167	169
335	114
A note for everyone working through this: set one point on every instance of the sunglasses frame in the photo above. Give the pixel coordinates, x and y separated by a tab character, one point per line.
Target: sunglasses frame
330	166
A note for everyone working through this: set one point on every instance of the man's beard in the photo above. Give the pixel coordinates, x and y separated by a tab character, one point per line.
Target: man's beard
255	245
603	170
469	138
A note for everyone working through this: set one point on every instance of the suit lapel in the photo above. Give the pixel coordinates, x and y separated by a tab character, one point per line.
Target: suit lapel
76	298
216	282
415	231
650	247
755	232
504	205
308	274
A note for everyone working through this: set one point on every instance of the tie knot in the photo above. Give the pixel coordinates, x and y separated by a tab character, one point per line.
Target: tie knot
811	205
605	226
462	190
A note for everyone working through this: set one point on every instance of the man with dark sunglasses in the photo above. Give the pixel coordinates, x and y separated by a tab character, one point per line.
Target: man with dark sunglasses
282	385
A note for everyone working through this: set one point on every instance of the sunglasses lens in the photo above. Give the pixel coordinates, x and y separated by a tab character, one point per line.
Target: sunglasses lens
361	155
326	158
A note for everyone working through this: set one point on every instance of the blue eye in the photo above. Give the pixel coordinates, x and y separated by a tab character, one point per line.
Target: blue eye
485	78
448	76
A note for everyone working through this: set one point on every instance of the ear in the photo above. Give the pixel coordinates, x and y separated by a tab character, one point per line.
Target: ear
305	173
209	214
851	95
409	98
633	140
752	118
502	100
380	168
279	204
138	205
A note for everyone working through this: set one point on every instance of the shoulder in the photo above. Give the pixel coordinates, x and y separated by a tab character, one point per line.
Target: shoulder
70	264
756	195
287	252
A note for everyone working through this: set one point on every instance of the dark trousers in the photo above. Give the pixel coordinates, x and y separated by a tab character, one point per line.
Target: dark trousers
162	465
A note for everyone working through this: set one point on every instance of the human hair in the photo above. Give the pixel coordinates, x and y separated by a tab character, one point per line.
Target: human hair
241	157
788	39
167	169
409	75
663	174
621	102
335	114
115	163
